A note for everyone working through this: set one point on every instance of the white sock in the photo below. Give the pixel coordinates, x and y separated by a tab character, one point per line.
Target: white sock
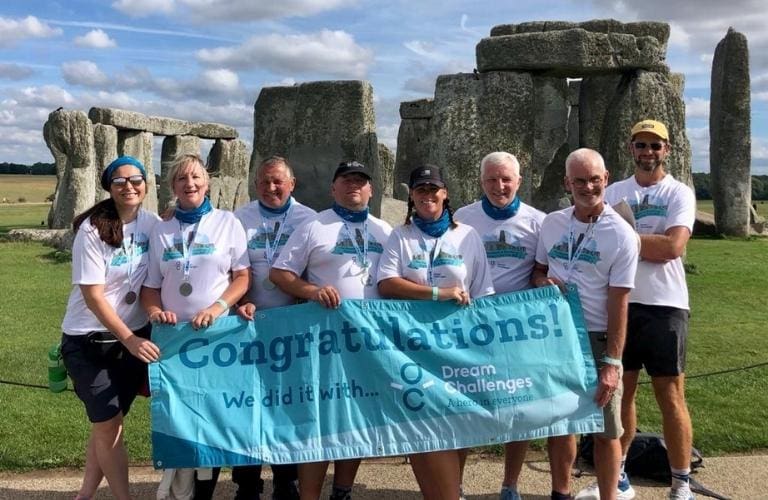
680	477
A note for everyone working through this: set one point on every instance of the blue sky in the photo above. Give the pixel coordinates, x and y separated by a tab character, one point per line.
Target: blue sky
208	59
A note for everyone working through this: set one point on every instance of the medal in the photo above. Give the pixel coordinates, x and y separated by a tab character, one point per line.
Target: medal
130	297
185	289
268	285
366	279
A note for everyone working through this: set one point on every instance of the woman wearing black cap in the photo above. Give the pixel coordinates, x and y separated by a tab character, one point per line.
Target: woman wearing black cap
431	257
105	342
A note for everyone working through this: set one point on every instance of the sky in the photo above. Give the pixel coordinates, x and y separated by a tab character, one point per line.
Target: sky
207	60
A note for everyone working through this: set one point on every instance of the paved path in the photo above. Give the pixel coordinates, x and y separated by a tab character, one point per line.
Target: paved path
739	477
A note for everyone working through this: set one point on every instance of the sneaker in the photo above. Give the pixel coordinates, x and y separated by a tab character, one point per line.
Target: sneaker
341	494
625	490
681	493
286	491
509	493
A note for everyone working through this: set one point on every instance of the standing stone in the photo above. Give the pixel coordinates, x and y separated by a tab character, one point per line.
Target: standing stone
173	146
315	126
477	114
139	145
610	105
69	136
387	168
413	142
730	135
105	151
228	168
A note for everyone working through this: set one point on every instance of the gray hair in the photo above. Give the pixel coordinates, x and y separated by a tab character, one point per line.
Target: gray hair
274	161
499	158
584	155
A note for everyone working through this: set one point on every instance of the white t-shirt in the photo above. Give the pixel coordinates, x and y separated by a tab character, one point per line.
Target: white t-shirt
217	247
324	249
459	259
510	244
262	229
605	254
120	270
657	208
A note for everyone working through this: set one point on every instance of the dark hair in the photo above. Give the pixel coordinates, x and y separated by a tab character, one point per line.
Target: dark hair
106	221
446	206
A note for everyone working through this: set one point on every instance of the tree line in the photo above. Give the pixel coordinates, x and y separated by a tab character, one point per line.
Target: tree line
702	184
35	169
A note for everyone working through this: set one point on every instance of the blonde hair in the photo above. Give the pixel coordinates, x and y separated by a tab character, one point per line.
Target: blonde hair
182	161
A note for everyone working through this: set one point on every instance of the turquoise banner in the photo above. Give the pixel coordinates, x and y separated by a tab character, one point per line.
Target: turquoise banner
372	378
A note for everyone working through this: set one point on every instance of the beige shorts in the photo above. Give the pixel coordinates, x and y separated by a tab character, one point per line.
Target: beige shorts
611	411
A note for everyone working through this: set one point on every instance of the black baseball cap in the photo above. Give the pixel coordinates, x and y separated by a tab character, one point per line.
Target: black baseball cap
351	167
428	174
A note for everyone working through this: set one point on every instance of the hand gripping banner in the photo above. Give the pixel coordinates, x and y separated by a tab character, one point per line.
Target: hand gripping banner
372	378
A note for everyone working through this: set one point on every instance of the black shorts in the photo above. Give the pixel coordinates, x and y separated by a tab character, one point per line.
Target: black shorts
656	340
106	376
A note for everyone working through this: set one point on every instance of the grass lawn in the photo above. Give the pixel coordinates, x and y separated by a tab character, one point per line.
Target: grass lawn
33	188
39	429
23	215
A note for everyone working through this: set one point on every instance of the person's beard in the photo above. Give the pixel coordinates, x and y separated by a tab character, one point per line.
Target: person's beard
648	165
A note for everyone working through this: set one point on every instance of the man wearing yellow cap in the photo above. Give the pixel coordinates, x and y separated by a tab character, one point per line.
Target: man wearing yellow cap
664	211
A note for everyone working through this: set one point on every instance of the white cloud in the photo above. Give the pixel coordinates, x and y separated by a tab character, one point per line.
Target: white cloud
85	73
697	108
332	53
425	50
14	30
254	10
220	80
678	37
95	39
12	71
142	8
46	96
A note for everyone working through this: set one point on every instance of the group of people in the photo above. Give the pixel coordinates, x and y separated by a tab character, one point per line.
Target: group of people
131	269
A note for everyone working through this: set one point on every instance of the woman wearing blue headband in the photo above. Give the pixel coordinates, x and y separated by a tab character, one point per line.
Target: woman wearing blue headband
105	342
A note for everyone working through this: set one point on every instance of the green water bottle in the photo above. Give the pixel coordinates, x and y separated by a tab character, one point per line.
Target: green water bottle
57	374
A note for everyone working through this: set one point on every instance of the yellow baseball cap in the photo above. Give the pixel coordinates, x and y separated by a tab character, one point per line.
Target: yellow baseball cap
651	126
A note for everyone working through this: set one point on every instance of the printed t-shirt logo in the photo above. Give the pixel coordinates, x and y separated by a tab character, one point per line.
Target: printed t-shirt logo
259	239
140	247
649	206
503	245
588	254
200	246
344	244
448	256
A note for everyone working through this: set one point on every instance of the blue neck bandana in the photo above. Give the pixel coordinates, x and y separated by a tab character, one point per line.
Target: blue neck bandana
271	212
194	215
496	213
350	215
435	228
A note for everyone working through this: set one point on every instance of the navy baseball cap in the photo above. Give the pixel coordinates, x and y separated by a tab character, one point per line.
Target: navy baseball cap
351	167
428	174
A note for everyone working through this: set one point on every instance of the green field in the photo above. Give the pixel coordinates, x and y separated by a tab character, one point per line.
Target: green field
32	188
39	429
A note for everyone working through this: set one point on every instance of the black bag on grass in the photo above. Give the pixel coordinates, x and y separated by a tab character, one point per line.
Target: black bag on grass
647	456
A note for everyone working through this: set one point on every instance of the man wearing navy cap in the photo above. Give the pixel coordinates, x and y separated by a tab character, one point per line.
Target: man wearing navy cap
334	257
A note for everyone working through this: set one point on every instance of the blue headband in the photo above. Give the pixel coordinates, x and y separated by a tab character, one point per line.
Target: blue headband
106	176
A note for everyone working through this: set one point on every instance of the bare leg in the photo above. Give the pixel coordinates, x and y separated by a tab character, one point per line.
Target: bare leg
463	453
344	472
607	460
562	453
678	432
514	456
93	475
311	478
111	455
437	473
629	409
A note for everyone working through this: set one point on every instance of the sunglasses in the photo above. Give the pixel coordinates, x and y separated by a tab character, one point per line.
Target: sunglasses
135	180
656	146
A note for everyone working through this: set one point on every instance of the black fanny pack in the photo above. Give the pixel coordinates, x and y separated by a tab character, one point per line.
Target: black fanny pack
103	346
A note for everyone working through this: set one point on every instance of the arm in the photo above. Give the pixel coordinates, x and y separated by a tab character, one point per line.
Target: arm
293	285
142	349
664	247
401	288
608	378
153	305
539	277
234	292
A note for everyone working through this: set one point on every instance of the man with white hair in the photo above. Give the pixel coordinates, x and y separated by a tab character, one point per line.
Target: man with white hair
591	246
509	229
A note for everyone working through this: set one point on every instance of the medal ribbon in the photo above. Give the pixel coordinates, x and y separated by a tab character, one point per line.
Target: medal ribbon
362	256
128	251
430	255
271	250
186	245
574	257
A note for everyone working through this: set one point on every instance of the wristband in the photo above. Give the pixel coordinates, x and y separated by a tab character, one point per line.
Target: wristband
222	303
435	293
611	361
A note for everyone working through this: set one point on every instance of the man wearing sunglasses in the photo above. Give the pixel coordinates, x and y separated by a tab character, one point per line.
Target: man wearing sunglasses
664	211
